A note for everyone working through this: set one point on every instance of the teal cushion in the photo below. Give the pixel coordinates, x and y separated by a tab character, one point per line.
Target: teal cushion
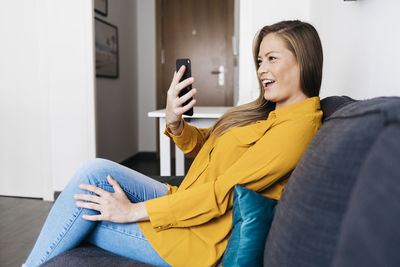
251	220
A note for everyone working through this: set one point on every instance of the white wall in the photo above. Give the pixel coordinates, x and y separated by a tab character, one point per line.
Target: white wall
69	78
146	49
46	94
361	43
117	99
23	103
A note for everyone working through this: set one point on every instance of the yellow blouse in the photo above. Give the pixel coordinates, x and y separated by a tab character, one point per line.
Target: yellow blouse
192	224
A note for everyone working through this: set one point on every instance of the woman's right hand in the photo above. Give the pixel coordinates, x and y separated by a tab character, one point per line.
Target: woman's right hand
174	110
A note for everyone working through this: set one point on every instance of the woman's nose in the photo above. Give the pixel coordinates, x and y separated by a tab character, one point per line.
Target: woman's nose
262	68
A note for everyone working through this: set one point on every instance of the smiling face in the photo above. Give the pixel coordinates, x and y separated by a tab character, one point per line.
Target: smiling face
279	72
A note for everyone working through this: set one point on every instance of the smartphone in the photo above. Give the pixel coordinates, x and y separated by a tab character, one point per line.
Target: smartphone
188	73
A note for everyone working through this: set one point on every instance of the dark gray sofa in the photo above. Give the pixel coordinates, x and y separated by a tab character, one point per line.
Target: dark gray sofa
341	206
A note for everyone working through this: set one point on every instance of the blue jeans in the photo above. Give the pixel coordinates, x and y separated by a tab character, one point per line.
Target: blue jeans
65	228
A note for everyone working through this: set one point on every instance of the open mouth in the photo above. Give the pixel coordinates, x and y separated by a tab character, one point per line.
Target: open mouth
268	83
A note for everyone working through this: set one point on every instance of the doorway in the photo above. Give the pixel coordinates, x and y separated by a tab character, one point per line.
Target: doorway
202	31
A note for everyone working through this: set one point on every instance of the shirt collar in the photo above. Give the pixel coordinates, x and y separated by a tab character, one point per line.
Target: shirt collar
308	105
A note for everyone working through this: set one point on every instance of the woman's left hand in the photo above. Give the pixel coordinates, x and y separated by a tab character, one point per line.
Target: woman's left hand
114	207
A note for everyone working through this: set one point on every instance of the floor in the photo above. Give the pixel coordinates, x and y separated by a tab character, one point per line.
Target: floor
22	218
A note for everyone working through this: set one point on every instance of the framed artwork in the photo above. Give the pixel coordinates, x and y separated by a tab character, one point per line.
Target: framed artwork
106	43
101	6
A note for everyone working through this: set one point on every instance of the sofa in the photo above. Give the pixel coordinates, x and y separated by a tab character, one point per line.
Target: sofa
341	206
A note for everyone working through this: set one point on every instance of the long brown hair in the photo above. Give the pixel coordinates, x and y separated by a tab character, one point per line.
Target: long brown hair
303	41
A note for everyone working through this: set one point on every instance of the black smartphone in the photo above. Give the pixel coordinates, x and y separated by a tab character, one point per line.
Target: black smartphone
188	73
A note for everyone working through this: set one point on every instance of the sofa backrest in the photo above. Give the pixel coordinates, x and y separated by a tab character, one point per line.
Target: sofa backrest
307	222
331	104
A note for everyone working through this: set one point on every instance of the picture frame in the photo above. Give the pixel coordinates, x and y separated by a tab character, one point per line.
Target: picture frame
101	7
107	51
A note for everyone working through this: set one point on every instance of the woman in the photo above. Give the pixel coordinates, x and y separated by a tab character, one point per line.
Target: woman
253	145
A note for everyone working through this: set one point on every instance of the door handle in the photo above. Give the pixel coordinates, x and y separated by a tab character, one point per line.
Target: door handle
221	75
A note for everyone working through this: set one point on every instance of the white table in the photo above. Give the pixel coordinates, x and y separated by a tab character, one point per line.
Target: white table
203	117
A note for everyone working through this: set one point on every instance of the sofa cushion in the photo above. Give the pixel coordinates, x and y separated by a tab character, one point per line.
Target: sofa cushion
370	232
305	229
251	220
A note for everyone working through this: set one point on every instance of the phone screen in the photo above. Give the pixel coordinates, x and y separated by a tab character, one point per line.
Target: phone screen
188	73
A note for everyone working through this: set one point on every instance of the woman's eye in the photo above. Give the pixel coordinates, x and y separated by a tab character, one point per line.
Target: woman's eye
259	62
271	58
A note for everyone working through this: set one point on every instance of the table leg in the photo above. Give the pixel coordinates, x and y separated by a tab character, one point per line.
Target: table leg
179	162
165	151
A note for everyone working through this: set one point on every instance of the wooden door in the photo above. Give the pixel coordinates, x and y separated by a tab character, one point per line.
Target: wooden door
201	30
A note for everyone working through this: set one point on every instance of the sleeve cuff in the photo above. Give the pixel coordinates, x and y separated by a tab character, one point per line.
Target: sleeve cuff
160	214
182	139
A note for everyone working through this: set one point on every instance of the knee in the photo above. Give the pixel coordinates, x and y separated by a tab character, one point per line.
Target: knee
94	164
93	170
